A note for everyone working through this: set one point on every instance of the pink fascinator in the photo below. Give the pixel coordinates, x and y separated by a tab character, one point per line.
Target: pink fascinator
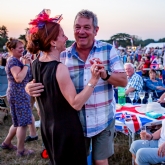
41	19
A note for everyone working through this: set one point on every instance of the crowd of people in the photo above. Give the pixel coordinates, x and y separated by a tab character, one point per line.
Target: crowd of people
137	83
143	58
70	119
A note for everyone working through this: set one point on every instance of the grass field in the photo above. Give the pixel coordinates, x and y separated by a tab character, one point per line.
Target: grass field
122	155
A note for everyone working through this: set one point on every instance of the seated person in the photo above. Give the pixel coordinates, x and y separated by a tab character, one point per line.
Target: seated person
152	151
161	100
135	82
153	56
144	63
155	84
136	64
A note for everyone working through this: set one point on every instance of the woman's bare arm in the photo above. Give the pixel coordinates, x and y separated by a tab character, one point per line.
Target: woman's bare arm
68	89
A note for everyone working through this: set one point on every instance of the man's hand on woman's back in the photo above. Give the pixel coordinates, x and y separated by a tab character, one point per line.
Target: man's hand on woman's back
34	89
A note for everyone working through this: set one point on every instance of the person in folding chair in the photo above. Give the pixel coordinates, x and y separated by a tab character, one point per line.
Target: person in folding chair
135	82
150	149
155	85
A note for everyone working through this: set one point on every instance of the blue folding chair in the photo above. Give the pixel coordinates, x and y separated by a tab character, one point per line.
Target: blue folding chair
163	76
3	88
3	81
139	72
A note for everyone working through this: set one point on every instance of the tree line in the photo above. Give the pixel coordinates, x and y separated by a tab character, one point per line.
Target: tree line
122	39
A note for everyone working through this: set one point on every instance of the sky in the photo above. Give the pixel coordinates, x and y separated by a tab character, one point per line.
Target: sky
144	18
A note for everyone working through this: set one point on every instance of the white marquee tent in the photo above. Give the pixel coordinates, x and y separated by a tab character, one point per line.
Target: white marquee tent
120	48
154	45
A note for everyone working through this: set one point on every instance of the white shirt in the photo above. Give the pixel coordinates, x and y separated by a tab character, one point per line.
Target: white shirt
162	134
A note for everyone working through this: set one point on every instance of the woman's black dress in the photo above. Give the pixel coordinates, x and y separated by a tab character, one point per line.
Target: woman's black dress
61	129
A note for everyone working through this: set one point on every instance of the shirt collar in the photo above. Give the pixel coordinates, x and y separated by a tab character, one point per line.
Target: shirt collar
131	76
72	48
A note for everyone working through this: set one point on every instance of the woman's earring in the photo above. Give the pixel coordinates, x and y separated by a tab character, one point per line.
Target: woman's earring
55	45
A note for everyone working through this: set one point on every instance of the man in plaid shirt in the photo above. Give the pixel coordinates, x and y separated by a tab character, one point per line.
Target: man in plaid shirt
135	82
97	115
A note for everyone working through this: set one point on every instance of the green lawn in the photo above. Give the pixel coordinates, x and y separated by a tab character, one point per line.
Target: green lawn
122	155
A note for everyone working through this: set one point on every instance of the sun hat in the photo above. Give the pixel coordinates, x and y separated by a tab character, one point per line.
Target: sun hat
153	106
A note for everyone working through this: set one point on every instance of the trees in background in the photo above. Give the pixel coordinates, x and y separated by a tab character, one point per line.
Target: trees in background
3	32
122	39
161	40
23	36
3	37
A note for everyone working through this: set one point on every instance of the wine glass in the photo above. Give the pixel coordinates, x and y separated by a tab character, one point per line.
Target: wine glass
143	134
141	95
131	95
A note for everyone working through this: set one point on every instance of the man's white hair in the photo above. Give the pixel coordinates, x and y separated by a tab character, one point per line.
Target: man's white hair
130	64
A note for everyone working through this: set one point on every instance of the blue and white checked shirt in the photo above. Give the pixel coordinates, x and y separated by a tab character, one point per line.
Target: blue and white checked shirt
98	111
136	82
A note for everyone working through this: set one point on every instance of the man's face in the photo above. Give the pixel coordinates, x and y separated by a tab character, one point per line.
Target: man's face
129	70
84	32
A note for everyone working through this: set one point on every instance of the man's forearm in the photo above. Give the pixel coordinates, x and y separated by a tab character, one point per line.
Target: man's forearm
118	79
129	90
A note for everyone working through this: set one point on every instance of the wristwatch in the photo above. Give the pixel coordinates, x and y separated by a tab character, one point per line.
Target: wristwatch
28	65
108	75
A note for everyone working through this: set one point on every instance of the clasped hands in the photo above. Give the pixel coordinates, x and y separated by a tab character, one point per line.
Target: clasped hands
98	67
26	59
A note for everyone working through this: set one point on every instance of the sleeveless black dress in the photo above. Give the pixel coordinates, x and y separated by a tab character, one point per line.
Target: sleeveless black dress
61	129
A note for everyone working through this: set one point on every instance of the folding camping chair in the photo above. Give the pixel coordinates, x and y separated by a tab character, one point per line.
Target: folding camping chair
4	106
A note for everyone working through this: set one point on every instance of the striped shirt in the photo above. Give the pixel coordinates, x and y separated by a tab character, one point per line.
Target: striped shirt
98	111
136	82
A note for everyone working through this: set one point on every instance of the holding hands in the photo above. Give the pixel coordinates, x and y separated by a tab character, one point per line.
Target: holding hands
98	68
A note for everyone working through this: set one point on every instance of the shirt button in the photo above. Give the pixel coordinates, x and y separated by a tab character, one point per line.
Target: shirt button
85	79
